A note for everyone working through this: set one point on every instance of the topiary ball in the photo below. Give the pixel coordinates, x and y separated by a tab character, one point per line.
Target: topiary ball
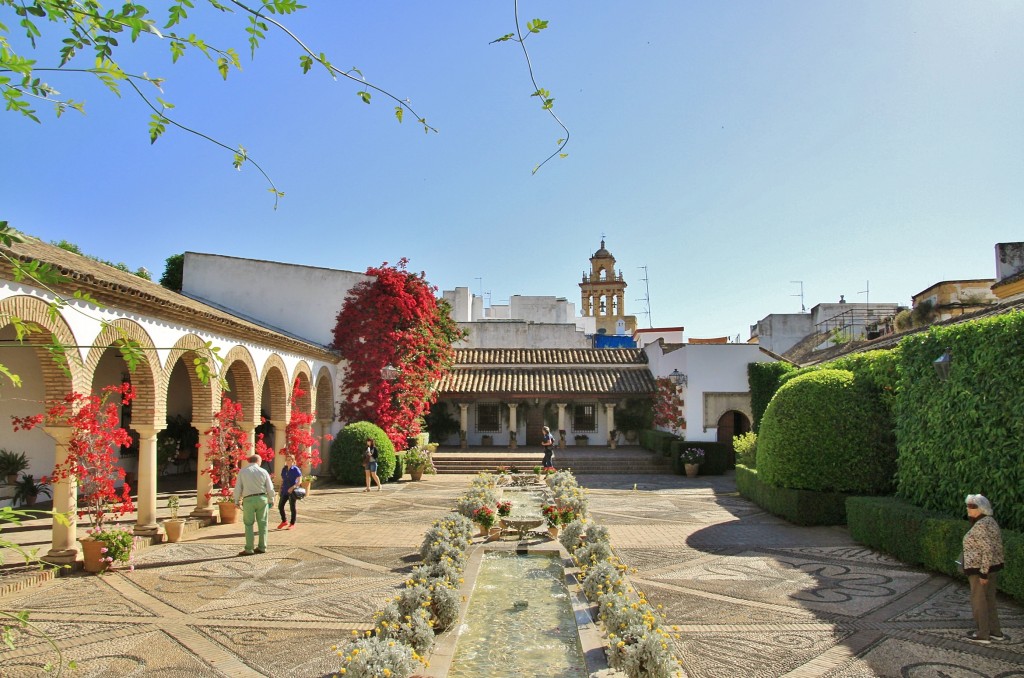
824	431
347	453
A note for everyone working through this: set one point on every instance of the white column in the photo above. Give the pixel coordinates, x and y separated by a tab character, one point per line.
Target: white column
463	425
609	410
325	448
561	425
64	538
513	426
204	484
145	522
280	439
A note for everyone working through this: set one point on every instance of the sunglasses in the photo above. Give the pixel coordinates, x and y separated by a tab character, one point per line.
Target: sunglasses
972	506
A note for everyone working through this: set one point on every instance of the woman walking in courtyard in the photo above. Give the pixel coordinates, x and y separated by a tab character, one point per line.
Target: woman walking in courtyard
547	441
291	478
370	457
983	558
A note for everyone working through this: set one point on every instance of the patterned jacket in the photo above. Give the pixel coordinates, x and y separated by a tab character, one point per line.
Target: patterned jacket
983	548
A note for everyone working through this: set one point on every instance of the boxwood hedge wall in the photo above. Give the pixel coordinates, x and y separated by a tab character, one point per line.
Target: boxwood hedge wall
965	435
718	457
764	382
827	431
922	537
801	507
347	453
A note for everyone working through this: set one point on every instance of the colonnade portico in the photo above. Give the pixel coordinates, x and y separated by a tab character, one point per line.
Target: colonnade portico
171	331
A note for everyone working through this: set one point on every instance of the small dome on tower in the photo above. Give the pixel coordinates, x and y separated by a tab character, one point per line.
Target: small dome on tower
601	253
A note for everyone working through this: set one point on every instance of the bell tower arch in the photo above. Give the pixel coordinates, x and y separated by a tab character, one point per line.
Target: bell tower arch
603	294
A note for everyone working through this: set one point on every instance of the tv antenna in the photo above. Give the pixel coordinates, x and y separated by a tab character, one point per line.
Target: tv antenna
803	309
867	298
647	298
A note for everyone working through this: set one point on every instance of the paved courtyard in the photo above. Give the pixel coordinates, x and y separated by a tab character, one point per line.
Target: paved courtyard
752	595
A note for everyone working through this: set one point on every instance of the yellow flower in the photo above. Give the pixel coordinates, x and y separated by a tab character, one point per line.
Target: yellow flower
387	672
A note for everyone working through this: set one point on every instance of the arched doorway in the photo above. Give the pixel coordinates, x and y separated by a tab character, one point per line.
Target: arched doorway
732	423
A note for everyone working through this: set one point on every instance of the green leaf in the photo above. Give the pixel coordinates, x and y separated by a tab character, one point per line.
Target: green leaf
306	62
364	95
504	38
399	112
536	26
157	126
15	379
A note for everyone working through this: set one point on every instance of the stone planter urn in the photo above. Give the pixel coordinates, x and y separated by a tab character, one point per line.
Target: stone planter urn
553	531
173	528
494	534
691	470
416	474
228	512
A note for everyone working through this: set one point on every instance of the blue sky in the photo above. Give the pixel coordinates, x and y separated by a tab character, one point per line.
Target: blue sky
731	148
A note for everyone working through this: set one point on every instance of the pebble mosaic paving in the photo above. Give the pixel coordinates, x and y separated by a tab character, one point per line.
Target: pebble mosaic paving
752	595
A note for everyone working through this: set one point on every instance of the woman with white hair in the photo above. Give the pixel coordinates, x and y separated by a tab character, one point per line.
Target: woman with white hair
982	560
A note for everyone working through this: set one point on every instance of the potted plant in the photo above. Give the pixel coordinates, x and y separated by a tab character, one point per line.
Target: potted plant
227	448
484	517
504	509
581	440
174	526
691	458
27	490
486	441
11	464
91	465
553	515
417	462
307	483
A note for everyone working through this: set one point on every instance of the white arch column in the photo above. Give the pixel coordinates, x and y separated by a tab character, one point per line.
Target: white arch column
64	538
561	425
145	522
513	425
463	425
280	439
609	410
204	484
325	447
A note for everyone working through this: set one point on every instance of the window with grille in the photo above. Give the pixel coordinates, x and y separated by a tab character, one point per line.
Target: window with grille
488	418
584	417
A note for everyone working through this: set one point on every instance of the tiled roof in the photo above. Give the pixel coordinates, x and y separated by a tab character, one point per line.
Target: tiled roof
129	292
550	356
548	381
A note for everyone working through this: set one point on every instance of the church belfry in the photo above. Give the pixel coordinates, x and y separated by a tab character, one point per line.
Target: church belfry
603	295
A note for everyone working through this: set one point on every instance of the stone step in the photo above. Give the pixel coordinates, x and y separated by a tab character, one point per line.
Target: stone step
579	459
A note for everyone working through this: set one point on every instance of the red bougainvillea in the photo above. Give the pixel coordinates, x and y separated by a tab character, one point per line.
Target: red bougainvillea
668	406
226	449
298	434
95	435
395	320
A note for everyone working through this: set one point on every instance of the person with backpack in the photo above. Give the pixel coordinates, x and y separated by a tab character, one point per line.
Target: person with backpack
370	459
547	441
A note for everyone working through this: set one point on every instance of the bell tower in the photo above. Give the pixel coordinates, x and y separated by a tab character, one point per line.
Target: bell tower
603	295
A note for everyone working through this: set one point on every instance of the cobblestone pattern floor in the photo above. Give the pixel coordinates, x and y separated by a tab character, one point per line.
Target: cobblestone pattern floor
755	596
752	595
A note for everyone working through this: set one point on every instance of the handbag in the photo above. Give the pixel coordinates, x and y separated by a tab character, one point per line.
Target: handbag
299	492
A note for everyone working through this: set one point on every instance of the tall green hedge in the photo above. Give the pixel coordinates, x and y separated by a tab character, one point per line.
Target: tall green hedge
965	435
718	457
877	371
764	382
347	453
800	507
828	432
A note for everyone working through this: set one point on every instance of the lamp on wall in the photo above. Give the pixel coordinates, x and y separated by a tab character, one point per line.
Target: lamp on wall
389	372
678	378
942	364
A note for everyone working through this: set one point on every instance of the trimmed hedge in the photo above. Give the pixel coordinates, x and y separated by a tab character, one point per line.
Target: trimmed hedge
827	431
921	537
965	435
764	382
347	453
717	456
801	507
657	441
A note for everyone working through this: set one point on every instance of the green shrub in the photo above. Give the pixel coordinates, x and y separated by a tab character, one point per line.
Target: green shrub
921	537
399	468
965	435
801	507
347	453
764	382
745	446
877	371
827	432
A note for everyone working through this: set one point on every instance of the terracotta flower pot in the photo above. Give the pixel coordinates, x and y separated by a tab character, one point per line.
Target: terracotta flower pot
416	473
92	558
553	532
306	485
691	470
483	530
494	534
173	529
228	511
